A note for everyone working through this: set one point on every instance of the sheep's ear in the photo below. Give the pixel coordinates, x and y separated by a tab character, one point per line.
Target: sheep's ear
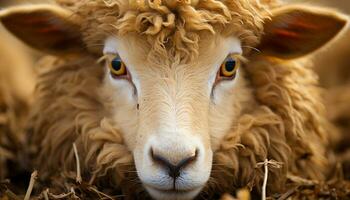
294	31
45	27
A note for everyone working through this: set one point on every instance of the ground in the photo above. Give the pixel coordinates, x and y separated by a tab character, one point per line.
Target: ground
18	183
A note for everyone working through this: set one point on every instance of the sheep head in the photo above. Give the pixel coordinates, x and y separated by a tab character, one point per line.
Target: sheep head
175	82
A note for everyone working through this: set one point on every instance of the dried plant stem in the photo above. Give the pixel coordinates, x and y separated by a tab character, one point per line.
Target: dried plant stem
31	185
12	195
266	169
60	196
288	193
73	193
100	193
301	181
78	178
46	195
266	164
92	179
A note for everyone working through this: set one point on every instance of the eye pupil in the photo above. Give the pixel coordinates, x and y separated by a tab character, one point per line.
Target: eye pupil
230	65
229	68
116	64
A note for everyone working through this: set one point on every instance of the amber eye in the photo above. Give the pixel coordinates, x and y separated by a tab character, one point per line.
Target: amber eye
229	68
117	67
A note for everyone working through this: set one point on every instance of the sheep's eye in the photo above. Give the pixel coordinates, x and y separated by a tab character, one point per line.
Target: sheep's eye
117	67
228	68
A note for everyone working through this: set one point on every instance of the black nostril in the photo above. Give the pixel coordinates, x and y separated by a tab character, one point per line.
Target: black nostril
174	170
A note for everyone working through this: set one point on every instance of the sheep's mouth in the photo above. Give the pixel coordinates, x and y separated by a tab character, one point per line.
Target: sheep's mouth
175	193
175	190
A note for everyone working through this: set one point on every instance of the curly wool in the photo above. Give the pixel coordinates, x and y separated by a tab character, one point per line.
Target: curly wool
287	124
171	27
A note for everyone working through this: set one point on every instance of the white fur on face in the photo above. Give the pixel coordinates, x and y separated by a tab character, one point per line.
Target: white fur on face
180	112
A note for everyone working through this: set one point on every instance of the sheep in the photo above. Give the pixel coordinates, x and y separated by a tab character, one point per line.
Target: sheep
186	96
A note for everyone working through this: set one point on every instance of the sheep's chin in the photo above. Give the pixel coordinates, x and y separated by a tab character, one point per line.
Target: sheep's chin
173	195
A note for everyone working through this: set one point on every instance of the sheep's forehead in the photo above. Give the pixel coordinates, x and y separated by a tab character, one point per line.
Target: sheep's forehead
211	53
171	26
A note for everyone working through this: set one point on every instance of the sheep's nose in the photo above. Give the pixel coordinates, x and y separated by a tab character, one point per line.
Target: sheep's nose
174	169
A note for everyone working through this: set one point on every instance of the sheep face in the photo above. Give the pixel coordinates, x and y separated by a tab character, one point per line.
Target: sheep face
175	84
174	115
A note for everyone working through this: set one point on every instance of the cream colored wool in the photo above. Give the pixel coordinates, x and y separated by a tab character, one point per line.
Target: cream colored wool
172	28
288	126
287	123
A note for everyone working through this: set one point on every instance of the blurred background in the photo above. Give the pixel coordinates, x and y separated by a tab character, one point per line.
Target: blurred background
17	81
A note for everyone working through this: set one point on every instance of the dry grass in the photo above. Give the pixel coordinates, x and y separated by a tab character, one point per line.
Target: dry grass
72	186
17	182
